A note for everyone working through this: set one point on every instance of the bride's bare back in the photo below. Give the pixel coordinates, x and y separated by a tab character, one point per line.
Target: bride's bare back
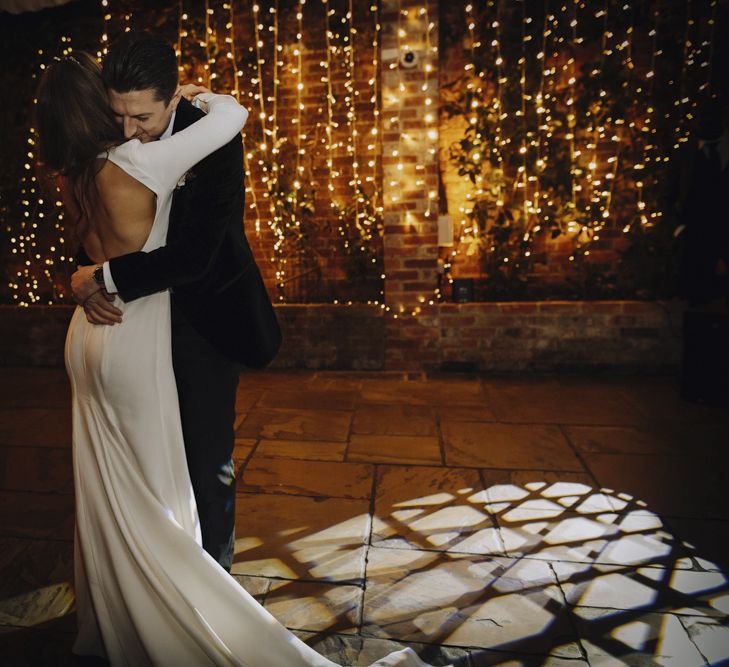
125	216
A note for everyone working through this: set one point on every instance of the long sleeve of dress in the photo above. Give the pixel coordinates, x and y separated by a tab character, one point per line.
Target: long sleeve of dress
161	164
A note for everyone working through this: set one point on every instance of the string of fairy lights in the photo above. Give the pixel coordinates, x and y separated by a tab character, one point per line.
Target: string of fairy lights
38	206
536	85
550	93
300	108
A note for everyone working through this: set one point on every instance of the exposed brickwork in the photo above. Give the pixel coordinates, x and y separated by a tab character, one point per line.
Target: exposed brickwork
318	270
551	267
500	337
560	334
411	147
410	173
324	336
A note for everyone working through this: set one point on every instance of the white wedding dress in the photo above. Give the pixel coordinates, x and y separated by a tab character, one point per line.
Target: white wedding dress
147	592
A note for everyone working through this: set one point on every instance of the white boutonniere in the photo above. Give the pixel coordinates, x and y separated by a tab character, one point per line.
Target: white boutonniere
187	176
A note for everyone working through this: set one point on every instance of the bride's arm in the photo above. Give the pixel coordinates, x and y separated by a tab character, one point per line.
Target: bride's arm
167	160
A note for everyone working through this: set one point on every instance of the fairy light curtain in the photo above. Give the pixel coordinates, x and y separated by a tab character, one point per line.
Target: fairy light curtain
570	111
308	72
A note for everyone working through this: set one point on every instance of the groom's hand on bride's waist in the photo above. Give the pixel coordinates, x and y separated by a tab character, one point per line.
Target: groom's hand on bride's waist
100	310
95	300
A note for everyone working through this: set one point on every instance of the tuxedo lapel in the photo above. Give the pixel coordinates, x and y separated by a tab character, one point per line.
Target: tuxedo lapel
185	115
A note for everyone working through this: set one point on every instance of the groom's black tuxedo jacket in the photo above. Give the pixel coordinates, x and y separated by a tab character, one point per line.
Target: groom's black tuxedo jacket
207	260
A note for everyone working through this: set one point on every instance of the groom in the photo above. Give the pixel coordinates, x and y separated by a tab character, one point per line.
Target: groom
221	313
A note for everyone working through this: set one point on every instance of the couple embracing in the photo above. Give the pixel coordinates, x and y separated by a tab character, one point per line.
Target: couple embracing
171	305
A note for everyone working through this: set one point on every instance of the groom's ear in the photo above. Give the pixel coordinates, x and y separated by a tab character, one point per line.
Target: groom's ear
176	98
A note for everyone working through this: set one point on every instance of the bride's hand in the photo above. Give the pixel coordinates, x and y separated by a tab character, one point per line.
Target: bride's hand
190	90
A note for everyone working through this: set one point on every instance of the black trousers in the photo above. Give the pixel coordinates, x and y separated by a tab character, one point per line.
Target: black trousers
206	385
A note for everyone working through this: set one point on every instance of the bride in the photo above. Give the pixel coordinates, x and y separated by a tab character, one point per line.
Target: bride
147	592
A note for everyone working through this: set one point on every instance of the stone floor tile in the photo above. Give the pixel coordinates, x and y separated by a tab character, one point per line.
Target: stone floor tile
637	638
606	538
394	449
484	658
560	503
27	565
243	447
246	398
365	651
338	380
12	558
274	377
395	392
594	527
705	593
42	646
300	537
273	423
488	445
431	508
376	419
43	469
576	522
36	515
37	606
456	390
650	551
551	401
307	478
536	480
664	589
664	439
340	649
316	606
373	649
616	439
36	427
708	539
418	392
241	450
311	450
308	398
552	492
710	636
465	413
257	587
466	601
659	401
671	485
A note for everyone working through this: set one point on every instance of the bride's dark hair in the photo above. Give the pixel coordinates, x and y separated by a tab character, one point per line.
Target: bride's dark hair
75	124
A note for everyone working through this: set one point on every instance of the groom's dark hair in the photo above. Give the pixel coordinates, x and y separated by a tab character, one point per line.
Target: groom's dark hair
139	61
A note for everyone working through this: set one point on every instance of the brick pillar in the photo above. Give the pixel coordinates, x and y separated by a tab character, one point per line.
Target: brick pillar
410	180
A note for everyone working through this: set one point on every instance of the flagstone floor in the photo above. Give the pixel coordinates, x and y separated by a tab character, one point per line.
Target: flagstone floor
544	520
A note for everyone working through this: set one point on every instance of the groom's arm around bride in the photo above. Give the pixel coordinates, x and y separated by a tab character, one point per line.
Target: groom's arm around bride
221	314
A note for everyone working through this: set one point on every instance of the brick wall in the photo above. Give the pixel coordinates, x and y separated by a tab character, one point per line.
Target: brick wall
416	332
331	337
503	337
550	269
565	335
410	179
318	269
